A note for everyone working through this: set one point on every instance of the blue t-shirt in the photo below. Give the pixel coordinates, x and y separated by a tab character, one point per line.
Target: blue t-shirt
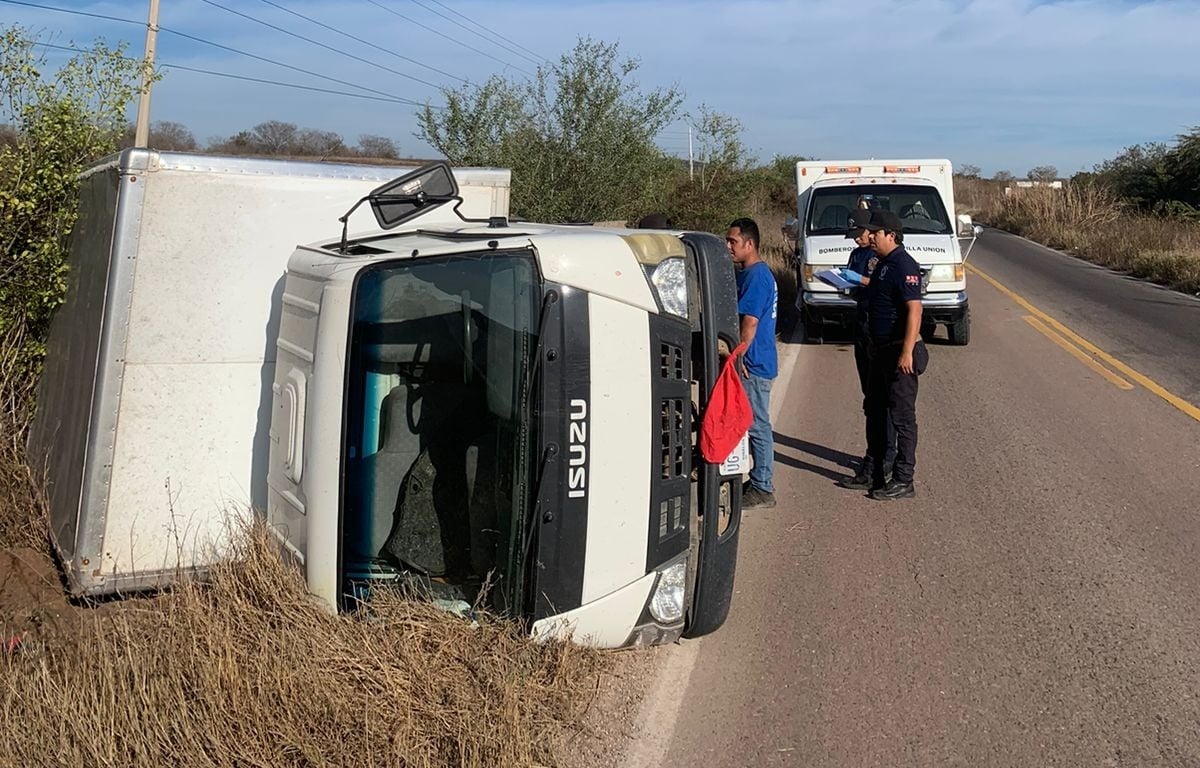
758	296
895	282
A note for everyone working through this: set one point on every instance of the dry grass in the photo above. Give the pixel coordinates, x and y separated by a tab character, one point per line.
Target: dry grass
247	670
22	505
1093	224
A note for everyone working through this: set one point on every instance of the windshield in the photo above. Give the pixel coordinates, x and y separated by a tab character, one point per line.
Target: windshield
437	425
919	207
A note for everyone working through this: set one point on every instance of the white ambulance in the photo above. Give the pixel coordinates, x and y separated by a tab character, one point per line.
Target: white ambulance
921	193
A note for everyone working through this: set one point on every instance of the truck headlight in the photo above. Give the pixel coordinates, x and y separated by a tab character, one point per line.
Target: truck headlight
666	605
946	273
669	279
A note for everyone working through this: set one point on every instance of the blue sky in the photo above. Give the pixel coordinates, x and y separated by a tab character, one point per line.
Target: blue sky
1002	84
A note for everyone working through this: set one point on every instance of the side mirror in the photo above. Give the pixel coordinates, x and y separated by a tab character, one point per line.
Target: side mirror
966	228
791	228
977	229
410	195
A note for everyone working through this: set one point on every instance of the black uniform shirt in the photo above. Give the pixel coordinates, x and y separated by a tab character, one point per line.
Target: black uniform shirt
862	260
895	281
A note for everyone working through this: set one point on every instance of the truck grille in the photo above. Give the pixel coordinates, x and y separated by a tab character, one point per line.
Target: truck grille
674	438
671	486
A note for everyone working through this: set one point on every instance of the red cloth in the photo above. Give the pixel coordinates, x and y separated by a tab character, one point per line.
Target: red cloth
728	414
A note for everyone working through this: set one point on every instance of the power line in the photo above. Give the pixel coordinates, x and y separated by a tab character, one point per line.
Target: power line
379	48
341	52
201	40
473	32
489	31
288	66
442	34
230	75
74	12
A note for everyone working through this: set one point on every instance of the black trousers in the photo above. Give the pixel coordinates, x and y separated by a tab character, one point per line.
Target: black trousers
892	402
862	361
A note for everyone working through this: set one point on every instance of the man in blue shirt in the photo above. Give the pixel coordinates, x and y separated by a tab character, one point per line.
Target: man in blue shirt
858	270
758	300
897	354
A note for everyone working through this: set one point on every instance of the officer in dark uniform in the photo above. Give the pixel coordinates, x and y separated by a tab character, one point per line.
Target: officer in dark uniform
896	352
858	270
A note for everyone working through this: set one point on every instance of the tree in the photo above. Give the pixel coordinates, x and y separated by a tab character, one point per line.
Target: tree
1042	173
273	137
714	191
1183	168
968	171
377	146
310	142
579	136
164	135
1139	174
1004	177
62	120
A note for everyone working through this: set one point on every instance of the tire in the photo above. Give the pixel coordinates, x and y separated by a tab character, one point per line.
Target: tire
812	331
960	330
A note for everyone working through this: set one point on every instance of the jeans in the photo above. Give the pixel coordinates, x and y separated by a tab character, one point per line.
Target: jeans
762	440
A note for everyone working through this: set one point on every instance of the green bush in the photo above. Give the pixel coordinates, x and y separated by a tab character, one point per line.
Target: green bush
59	122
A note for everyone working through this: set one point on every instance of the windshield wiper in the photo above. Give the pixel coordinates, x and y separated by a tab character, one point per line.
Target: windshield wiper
551	451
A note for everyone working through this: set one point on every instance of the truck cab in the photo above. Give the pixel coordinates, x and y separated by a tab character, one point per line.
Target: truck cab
921	193
506	413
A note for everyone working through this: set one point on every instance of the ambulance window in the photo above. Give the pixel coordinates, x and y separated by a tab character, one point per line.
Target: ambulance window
919	207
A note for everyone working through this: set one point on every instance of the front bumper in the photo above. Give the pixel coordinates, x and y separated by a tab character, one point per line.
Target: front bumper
944	307
838	308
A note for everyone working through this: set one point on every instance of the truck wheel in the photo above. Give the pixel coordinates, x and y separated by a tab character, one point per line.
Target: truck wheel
960	331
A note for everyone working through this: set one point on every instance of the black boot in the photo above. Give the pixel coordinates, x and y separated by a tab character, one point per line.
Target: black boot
862	479
894	489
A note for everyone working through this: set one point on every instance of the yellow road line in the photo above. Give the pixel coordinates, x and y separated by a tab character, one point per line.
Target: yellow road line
1113	362
1079	354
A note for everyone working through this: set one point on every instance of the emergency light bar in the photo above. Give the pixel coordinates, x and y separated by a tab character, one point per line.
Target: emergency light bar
901	169
843	169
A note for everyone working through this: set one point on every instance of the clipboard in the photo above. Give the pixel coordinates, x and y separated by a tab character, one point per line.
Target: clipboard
836	280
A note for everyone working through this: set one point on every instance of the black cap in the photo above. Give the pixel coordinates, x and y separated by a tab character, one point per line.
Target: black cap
859	218
884	220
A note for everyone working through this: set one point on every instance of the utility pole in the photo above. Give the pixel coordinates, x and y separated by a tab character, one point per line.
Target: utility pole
142	134
691	157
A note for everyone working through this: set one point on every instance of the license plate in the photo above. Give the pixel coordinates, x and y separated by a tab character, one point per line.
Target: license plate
738	462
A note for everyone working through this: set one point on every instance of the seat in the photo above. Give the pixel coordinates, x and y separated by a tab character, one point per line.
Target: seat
834	217
379	477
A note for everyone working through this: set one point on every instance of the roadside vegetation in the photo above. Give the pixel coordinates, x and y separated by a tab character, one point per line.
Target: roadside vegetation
1138	213
245	669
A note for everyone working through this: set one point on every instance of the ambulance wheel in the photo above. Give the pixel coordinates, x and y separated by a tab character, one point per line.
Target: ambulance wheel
960	331
811	330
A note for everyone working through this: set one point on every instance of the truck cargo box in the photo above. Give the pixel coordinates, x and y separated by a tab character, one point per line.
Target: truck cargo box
154	408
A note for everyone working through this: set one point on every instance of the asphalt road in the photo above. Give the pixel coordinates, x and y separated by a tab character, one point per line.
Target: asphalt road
1039	602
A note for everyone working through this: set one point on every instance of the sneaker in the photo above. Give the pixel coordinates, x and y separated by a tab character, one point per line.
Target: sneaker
894	489
754	498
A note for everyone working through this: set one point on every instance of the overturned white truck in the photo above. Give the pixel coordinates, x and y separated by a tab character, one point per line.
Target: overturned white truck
448	401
